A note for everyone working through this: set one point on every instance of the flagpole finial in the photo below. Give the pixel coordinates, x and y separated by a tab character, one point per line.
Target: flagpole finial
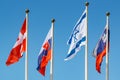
53	20
108	13
87	3
27	10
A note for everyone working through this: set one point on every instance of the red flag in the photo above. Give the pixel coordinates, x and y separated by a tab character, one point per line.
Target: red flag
19	47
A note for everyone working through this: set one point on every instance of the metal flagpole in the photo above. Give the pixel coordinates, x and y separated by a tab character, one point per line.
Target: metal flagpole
52	56
107	55
26	55
86	46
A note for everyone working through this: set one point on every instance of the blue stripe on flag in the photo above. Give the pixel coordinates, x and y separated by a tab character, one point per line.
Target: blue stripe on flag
80	20
70	40
77	46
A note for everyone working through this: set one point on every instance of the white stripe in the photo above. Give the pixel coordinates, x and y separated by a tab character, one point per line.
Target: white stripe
49	35
20	39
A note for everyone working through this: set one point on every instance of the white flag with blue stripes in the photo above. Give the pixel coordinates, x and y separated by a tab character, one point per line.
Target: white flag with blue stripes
78	36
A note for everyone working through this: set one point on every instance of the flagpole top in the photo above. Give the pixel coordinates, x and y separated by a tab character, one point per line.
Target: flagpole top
27	10
53	20
87	3
108	13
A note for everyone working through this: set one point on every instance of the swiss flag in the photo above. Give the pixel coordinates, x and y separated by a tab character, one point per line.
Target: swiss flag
19	48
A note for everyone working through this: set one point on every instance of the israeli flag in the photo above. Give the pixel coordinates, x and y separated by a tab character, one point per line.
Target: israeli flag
78	36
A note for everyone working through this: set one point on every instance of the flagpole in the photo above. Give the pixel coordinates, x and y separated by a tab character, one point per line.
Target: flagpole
107	55
86	46
26	55
52	56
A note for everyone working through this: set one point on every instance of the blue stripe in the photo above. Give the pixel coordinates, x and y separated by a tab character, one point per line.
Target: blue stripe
43	53
101	47
70	40
80	20
77	45
101	44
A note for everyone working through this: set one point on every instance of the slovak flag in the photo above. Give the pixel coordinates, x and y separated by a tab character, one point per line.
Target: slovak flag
100	49
45	53
19	48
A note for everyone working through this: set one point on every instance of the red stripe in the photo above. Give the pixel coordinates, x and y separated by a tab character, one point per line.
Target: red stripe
44	62
42	70
99	60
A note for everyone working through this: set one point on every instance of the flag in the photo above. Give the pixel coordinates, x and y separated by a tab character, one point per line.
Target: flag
19	48
100	49
45	53
78	37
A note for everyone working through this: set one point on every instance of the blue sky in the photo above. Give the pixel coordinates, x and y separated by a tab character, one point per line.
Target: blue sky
66	13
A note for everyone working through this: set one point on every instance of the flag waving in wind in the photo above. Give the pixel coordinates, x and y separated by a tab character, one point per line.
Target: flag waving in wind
100	49
19	48
45	53
78	37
